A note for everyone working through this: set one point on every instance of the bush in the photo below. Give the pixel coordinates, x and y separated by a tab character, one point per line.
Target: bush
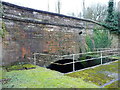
99	39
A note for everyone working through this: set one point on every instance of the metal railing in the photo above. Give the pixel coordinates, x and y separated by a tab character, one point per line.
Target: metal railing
102	54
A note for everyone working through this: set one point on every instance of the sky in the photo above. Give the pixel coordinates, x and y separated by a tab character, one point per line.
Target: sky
67	6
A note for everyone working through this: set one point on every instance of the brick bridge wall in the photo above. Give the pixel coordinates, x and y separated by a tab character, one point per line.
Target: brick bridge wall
22	39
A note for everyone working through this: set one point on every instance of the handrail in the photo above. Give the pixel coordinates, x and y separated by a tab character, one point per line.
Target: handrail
89	52
73	55
86	60
76	61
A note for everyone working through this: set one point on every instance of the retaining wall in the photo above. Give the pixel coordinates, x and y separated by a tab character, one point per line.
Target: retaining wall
56	34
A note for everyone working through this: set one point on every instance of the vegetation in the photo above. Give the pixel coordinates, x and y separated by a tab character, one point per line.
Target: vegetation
20	67
107	16
96	12
115	57
98	75
110	15
42	78
113	85
100	39
90	44
3	30
111	21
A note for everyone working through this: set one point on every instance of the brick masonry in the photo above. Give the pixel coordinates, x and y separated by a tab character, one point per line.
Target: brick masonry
23	39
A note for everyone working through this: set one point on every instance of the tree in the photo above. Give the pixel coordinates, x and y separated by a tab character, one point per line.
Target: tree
111	21
79	15
110	10
58	6
48	5
83	8
72	14
96	12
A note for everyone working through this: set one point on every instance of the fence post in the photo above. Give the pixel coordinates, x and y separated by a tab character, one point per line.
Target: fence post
34	59
73	62
101	57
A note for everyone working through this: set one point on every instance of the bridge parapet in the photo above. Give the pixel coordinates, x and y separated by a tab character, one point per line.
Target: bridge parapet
29	30
45	17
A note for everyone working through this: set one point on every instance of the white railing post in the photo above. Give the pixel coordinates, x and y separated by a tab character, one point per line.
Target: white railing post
73	62
101	56
34	59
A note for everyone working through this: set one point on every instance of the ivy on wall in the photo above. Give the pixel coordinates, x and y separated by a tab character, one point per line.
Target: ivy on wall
3	30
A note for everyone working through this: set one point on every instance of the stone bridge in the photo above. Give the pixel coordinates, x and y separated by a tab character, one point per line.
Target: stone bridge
27	31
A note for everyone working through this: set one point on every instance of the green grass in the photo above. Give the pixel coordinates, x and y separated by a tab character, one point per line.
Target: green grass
2	73
4	69
43	78
21	66
98	75
115	57
113	85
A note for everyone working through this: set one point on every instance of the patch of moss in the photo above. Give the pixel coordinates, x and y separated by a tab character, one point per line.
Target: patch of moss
113	85
43	78
2	73
20	67
3	31
98	75
94	55
115	57
83	57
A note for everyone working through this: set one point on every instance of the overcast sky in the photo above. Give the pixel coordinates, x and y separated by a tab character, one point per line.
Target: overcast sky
67	6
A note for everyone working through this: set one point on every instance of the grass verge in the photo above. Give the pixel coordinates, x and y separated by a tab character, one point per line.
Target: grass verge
43	78
98	75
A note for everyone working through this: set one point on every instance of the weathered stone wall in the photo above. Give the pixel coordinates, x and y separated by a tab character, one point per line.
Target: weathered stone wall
23	39
0	43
